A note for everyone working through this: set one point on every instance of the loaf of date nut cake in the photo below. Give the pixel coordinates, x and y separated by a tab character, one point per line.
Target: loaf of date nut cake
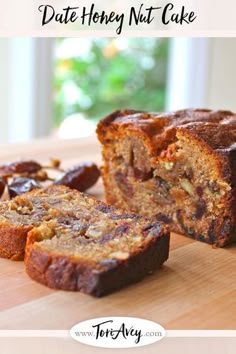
177	167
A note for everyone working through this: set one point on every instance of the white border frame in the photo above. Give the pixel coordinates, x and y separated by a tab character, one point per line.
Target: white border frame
188	71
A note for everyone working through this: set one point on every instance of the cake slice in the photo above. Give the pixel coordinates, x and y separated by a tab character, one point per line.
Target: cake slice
75	242
95	249
177	167
19	215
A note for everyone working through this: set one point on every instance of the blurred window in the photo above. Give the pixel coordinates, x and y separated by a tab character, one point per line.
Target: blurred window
94	76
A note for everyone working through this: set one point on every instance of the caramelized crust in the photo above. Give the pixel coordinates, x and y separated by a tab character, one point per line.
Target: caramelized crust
95	263
178	167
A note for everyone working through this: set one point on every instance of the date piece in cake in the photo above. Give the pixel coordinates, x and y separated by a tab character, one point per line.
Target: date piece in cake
94	248
178	167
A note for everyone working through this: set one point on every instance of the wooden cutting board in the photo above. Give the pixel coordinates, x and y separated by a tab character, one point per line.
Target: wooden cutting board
195	289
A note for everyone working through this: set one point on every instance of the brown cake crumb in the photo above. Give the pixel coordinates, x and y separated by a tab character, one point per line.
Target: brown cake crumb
177	167
75	242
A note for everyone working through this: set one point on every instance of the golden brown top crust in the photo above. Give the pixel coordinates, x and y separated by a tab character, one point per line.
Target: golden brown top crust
216	128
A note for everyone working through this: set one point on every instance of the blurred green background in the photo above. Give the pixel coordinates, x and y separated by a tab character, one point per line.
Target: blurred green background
94	76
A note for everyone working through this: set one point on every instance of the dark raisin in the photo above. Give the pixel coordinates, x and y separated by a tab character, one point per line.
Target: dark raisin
63	220
27	166
165	218
124	228
188	173
21	185
190	231
199	191
105	208
211	232
162	195
131	158
73	224
179	218
222	229
123	216
200	209
106	237
201	238
119	231
160	182
137	217
179	215
80	177
123	184
225	228
2	186
187	230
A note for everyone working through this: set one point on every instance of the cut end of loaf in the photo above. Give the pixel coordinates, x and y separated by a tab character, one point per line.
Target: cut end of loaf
164	168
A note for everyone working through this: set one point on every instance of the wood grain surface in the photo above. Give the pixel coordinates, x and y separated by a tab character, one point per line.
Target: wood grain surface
195	289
